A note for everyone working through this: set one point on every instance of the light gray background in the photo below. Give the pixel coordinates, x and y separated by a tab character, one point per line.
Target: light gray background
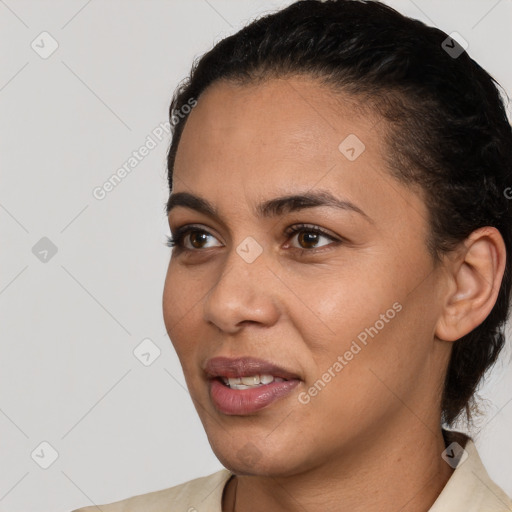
68	328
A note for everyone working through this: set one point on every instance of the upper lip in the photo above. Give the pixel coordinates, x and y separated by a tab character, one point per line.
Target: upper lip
244	367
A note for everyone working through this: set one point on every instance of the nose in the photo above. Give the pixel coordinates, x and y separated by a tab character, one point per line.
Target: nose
244	293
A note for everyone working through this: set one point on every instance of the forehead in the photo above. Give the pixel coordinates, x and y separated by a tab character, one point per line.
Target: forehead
274	128
246	143
279	118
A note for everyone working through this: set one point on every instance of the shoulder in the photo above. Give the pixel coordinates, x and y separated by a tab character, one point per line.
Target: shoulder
469	489
198	495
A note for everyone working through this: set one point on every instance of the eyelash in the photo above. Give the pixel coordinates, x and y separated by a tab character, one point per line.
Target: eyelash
181	233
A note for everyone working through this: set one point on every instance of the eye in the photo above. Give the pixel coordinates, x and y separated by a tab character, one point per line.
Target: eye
308	235
198	236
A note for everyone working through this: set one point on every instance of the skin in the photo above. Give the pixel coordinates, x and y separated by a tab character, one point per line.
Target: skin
371	439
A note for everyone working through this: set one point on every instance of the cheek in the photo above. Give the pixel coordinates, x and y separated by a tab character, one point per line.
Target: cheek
183	293
368	322
332	305
179	302
379	352
170	303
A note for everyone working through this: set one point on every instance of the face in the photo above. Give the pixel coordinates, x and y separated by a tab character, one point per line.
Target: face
343	297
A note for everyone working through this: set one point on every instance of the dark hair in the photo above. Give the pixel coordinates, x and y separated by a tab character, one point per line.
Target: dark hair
449	133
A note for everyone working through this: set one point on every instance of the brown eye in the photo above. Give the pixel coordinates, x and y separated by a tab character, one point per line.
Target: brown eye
197	238
308	237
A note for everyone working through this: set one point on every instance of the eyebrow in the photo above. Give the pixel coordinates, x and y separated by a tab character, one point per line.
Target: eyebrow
271	208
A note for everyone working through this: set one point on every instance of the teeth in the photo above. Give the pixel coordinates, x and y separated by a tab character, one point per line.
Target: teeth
251	381
266	379
242	386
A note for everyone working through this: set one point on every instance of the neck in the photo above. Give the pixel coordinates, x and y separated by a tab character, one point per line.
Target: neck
372	476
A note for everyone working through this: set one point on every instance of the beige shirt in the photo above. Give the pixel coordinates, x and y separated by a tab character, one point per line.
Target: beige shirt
469	489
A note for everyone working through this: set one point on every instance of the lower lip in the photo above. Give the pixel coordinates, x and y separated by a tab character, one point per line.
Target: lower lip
246	401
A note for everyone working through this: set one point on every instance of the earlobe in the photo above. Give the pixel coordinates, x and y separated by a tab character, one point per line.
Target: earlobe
477	276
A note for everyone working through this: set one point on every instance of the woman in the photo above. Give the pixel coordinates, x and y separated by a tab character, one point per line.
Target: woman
339	278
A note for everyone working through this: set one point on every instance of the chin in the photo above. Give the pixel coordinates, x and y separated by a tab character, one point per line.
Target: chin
244	456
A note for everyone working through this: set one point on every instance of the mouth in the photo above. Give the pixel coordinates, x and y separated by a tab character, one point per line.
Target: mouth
250	381
245	385
247	371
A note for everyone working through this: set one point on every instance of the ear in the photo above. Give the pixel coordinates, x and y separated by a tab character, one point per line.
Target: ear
477	273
